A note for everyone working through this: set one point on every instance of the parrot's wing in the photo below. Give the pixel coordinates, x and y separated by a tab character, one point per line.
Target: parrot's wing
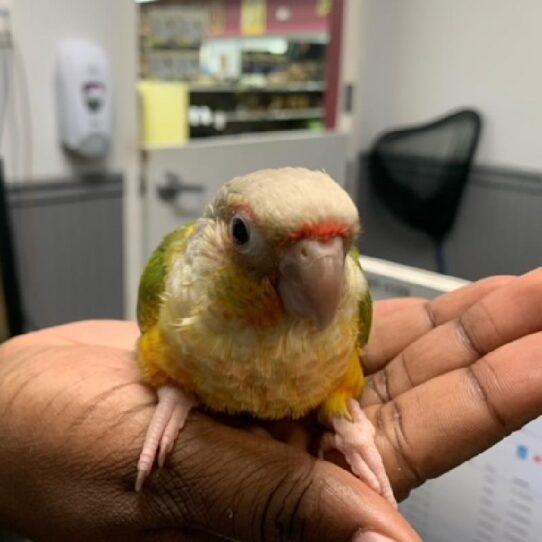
151	285
365	304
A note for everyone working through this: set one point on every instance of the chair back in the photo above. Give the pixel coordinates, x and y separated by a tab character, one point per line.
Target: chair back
420	172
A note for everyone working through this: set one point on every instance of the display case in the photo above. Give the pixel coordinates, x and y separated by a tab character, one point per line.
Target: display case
247	66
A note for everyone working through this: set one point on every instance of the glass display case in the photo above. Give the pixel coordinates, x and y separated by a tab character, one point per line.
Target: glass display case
246	65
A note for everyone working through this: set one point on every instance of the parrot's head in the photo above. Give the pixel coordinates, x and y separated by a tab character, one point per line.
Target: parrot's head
295	227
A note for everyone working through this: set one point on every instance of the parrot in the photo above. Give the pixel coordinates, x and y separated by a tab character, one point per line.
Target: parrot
261	307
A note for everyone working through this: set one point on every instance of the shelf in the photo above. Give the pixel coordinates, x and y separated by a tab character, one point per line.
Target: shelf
310	37
275	115
309	86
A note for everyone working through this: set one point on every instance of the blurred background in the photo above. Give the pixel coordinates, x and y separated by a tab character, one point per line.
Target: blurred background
119	120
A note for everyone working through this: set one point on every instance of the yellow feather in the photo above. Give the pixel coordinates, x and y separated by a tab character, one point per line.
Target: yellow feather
336	404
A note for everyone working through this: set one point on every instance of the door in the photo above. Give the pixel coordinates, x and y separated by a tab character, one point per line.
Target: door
181	181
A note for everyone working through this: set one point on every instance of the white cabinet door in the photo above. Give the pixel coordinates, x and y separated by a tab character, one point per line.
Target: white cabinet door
181	181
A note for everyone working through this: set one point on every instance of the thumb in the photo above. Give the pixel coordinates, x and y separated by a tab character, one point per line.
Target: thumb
245	487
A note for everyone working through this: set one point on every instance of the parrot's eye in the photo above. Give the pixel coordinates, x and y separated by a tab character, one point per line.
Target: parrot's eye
246	237
240	231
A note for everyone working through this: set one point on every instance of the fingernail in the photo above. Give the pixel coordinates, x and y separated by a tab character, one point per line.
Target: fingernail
370	536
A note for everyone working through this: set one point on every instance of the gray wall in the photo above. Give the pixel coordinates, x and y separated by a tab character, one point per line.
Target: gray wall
498	228
69	248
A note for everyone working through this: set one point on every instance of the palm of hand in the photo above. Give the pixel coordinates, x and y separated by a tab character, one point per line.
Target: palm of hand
435	370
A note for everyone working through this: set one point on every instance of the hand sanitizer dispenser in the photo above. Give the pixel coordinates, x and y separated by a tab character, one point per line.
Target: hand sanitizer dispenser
84	98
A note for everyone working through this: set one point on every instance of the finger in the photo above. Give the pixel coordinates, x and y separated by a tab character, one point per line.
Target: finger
385	307
502	316
394	332
242	487
449	419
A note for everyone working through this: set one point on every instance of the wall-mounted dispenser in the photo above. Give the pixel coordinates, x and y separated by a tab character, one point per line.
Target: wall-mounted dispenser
84	96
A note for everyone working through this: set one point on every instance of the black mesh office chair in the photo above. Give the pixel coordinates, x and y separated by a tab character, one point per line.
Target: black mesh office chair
420	172
11	319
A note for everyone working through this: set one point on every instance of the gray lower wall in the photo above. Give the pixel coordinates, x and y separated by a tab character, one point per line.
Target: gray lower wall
69	239
497	231
69	248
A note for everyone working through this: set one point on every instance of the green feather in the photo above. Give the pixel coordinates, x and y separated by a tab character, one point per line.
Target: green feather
152	283
365	305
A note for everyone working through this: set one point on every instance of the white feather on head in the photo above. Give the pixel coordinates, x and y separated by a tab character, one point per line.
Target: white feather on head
284	200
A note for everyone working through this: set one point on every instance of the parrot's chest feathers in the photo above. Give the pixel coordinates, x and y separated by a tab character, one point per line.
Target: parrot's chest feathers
244	353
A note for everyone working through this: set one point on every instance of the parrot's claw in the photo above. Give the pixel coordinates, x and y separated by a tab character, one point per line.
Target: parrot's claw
168	419
141	477
355	440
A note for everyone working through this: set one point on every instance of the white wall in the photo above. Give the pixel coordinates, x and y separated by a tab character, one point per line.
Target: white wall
31	134
421	58
38	25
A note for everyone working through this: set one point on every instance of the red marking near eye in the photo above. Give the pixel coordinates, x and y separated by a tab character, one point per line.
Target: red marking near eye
244	209
322	231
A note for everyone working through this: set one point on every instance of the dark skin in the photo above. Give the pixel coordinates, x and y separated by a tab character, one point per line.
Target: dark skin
447	379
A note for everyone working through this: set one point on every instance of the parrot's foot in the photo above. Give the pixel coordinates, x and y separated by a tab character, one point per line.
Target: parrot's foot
169	417
355	440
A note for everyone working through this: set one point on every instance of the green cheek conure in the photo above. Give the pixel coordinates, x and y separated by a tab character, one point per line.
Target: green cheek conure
261	307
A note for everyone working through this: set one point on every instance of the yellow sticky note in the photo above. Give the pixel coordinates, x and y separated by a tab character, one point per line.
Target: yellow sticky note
253	17
164	113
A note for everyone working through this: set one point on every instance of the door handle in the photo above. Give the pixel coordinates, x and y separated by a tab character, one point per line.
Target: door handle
173	186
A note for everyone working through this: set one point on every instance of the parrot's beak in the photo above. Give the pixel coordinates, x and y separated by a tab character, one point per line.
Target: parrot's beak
311	279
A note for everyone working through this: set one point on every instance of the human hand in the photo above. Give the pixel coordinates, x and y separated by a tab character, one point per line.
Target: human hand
451	377
73	414
80	377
